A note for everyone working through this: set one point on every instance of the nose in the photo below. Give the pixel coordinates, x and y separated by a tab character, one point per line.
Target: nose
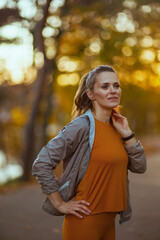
112	89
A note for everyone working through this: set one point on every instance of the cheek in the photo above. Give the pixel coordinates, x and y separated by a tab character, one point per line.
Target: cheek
119	92
100	94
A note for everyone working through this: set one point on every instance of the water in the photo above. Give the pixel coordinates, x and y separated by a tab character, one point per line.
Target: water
9	170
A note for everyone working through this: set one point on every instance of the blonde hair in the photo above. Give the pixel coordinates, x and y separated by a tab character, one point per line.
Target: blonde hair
81	101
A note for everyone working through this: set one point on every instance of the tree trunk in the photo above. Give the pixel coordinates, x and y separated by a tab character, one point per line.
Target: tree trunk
28	151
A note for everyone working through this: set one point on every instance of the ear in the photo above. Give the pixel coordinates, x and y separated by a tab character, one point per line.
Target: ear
90	95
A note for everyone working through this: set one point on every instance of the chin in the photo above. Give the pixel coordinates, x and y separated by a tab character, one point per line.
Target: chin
111	106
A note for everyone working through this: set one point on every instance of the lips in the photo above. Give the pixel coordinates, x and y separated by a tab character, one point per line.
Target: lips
113	98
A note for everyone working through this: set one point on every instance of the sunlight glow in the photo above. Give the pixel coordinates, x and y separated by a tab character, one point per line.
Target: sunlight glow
3	3
127	51
42	2
95	46
18	116
147	41
2	159
139	75
156	68
9	170
129	4
55	4
39	15
48	42
39	59
146	8
51	52
130	61
105	23
54	21
147	56
124	23
105	35
52	129
27	8
158	55
66	64
147	30
15	30
49	32
131	41
154	80
68	79
16	57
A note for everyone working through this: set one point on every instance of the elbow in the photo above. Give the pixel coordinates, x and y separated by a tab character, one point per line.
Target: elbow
138	169
142	170
35	169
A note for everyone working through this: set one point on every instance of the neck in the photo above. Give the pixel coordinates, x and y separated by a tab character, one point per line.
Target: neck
102	115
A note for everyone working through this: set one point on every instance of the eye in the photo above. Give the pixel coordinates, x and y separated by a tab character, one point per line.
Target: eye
116	85
105	86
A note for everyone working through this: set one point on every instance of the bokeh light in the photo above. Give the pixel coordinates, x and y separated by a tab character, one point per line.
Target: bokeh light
68	79
147	56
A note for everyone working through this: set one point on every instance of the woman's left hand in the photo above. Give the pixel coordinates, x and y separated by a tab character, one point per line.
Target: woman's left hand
121	124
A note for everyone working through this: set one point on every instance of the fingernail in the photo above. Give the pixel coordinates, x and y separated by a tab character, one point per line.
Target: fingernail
88	203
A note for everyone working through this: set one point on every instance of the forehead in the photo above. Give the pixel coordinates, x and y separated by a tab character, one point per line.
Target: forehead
106	77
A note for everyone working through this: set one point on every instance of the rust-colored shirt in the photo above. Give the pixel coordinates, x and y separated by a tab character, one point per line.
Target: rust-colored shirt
104	182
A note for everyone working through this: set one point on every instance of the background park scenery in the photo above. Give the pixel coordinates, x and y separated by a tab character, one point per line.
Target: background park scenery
46	46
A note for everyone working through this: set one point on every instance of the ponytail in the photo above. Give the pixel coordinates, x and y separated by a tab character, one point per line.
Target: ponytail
81	101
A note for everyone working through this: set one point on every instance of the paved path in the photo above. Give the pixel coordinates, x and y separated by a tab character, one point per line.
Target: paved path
22	219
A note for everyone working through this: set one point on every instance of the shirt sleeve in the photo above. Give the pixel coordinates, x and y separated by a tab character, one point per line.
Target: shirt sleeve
58	148
137	158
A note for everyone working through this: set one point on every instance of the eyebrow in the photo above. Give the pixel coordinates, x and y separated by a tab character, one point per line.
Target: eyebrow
109	82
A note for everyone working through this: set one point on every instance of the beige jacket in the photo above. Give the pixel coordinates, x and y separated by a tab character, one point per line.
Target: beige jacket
73	145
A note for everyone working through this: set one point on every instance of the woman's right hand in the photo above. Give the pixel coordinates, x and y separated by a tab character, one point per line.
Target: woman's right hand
74	207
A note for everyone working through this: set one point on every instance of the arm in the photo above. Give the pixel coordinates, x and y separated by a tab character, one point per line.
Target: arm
57	149
135	151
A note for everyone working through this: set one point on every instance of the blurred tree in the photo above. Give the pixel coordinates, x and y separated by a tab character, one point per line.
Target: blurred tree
42	76
69	39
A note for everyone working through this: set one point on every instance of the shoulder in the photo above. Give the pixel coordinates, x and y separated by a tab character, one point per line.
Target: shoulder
80	123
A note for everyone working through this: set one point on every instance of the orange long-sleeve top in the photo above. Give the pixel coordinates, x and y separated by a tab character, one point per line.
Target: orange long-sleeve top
104	182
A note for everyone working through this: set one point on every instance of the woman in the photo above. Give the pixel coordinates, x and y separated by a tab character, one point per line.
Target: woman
97	148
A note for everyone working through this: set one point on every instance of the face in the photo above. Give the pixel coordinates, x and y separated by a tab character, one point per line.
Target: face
106	92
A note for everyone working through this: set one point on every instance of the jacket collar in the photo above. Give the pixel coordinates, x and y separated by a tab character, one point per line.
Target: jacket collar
89	115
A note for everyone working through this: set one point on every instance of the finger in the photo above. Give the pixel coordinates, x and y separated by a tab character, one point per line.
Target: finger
118	115
114	111
84	202
82	206
115	118
76	214
85	208
81	210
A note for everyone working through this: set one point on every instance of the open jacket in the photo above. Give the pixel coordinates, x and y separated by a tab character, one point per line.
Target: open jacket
73	145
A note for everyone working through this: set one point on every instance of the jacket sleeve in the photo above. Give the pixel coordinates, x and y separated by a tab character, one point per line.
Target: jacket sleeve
137	158
58	148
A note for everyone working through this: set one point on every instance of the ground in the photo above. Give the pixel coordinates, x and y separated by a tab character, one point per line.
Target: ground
21	217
